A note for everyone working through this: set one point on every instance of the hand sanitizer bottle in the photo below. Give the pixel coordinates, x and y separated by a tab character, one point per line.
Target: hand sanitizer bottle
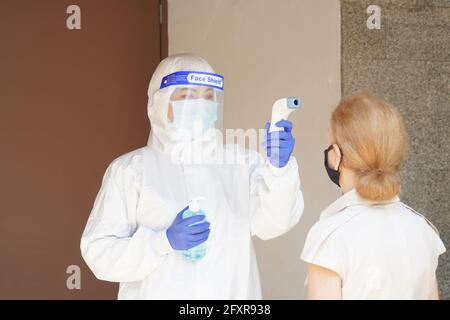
197	252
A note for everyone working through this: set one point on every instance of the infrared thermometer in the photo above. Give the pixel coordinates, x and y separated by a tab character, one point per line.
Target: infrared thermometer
281	110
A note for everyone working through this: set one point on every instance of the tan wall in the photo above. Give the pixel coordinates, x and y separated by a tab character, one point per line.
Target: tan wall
269	49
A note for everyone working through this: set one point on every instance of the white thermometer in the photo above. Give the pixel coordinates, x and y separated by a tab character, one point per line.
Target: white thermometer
281	110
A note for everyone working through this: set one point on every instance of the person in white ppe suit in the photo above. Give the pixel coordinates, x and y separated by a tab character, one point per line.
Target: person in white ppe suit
135	233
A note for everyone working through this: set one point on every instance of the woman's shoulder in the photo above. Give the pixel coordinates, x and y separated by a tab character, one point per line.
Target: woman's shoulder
127	165
330	228
325	244
128	158
329	224
417	218
433	233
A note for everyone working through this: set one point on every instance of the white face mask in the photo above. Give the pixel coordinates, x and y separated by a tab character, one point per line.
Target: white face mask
192	117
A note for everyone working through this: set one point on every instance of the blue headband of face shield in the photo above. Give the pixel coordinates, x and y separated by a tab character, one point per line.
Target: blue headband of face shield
194	78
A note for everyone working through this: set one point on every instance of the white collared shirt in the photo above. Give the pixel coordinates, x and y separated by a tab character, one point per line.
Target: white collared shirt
380	250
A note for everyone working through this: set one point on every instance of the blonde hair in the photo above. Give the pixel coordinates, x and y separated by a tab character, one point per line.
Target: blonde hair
372	139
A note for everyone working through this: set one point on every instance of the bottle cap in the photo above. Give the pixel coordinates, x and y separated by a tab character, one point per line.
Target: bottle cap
194	204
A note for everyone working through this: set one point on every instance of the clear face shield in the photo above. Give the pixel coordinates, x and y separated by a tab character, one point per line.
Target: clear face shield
195	108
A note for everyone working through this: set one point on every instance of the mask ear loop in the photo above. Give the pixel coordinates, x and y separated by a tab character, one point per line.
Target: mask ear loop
331	146
340	160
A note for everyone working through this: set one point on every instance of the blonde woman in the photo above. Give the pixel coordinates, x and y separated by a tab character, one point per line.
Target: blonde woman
368	244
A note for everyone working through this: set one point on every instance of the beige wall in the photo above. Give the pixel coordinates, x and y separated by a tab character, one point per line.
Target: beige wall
268	49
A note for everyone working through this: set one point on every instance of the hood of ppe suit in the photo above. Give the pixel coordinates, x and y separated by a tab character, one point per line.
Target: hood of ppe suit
158	100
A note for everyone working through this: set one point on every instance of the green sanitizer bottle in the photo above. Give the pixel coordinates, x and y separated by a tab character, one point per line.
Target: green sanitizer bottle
198	252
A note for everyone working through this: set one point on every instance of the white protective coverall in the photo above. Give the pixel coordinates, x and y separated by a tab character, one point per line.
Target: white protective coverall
142	191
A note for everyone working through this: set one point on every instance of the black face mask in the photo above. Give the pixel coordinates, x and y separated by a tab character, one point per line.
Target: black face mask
333	174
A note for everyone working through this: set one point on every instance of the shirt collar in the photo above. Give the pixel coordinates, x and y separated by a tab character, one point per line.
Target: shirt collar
351	198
